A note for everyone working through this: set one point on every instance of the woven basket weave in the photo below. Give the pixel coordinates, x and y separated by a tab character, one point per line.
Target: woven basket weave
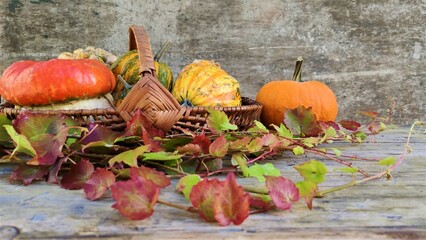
157	103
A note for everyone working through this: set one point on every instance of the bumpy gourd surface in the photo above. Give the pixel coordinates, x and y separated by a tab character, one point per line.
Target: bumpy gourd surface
204	83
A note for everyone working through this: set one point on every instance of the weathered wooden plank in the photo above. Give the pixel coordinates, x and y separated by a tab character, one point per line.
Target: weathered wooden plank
376	210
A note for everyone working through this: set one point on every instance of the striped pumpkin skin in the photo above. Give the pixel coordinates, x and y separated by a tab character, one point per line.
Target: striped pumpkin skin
203	83
128	67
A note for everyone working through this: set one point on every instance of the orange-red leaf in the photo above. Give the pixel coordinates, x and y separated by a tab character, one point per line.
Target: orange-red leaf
135	198
100	181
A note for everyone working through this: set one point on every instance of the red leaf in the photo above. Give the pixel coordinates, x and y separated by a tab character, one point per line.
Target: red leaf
190	148
203	141
260	202
135	198
48	147
301	121
28	173
232	203
54	170
240	143
350	125
219	147
374	127
78	174
325	125
271	140
99	182
203	195
100	133
283	191
158	178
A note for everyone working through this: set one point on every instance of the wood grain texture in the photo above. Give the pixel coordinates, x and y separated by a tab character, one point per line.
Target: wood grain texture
381	209
370	53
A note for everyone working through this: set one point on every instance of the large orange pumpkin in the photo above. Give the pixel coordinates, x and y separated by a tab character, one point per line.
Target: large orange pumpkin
281	95
32	83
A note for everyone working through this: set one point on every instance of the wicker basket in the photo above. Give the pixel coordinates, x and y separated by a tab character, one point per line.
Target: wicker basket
149	95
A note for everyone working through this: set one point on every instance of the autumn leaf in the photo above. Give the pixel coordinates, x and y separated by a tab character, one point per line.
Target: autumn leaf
158	178
135	198
100	135
259	171
161	156
313	171
282	191
283	131
218	121
190	148
31	124
231	204
28	173
99	182
388	161
255	145
48	147
301	122
240	144
22	143
78	174
350	125
307	190
129	157
219	147
271	140
203	195
239	159
261	201
186	183
203	141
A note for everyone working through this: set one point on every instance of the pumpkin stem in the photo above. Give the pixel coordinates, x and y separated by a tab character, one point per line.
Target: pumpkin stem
297	75
162	50
126	85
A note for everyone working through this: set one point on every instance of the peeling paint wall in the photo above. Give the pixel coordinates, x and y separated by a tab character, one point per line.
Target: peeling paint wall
371	53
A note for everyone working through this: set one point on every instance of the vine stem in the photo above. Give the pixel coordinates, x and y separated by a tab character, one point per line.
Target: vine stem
178	206
380	174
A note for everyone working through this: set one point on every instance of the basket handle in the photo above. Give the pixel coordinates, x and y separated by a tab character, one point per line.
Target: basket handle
139	40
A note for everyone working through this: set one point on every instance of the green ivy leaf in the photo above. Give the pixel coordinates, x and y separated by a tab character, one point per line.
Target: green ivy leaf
219	121
4	136
298	150
239	159
283	131
161	156
255	145
186	183
307	190
389	161
129	157
313	171
23	145
259	171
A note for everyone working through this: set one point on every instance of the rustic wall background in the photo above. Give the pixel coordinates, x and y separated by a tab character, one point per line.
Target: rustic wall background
371	53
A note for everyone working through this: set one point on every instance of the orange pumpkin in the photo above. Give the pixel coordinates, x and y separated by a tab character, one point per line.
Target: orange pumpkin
281	95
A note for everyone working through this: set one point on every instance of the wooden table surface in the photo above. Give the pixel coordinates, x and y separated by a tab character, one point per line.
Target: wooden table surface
380	209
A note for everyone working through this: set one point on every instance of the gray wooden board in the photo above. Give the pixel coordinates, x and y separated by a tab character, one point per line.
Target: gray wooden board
380	209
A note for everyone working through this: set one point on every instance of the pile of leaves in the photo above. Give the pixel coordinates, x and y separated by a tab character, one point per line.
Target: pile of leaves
133	166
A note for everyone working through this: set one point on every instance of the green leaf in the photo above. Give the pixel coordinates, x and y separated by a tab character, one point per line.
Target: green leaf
307	190
219	121
4	136
283	131
259	171
255	145
313	171
389	161
186	183
298	150
260	126
239	159
129	157
23	145
161	156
